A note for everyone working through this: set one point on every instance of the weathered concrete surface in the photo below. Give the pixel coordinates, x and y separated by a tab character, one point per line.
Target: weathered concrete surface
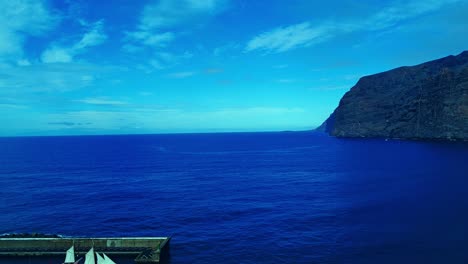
137	246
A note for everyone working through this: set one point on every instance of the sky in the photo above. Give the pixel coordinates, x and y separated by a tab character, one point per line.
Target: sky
187	66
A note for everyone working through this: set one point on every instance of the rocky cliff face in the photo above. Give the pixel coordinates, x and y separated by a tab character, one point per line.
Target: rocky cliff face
427	101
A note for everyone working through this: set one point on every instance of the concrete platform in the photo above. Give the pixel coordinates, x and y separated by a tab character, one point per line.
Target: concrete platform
145	249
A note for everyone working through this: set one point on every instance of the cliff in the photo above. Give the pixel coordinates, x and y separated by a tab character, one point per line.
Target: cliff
426	101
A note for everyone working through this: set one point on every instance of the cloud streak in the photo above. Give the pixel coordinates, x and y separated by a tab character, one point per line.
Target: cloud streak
163	60
158	24
167	13
306	34
52	77
13	106
154	120
151	39
20	19
181	75
101	101
285	38
60	54
158	16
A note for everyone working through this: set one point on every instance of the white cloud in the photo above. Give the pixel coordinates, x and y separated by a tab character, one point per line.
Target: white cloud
163	60
155	29
95	36
305	34
285	38
166	13
159	15
151	39
10	44
60	54
57	54
393	14
23	62
20	19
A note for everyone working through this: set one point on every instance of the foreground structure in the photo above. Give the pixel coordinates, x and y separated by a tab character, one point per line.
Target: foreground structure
145	249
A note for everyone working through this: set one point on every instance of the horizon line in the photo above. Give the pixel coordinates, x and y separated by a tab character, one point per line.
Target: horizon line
167	133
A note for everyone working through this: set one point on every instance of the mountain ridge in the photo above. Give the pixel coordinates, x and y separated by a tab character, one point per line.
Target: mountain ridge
425	101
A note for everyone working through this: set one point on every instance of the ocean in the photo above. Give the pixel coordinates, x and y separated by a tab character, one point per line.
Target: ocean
289	197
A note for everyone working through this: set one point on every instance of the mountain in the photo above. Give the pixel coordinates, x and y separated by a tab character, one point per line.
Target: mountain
426	101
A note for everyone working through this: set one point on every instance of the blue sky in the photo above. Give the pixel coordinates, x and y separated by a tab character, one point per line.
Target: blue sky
172	66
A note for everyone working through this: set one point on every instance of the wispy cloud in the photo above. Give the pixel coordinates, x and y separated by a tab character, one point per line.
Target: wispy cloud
101	101
305	34
163	60
95	36
181	75
167	13
20	19
393	14
213	70
228	49
57	54
23	62
149	39
158	22
158	119
52	77
13	106
285	38
62	54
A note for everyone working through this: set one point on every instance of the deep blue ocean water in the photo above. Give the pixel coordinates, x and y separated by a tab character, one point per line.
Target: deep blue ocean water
298	197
